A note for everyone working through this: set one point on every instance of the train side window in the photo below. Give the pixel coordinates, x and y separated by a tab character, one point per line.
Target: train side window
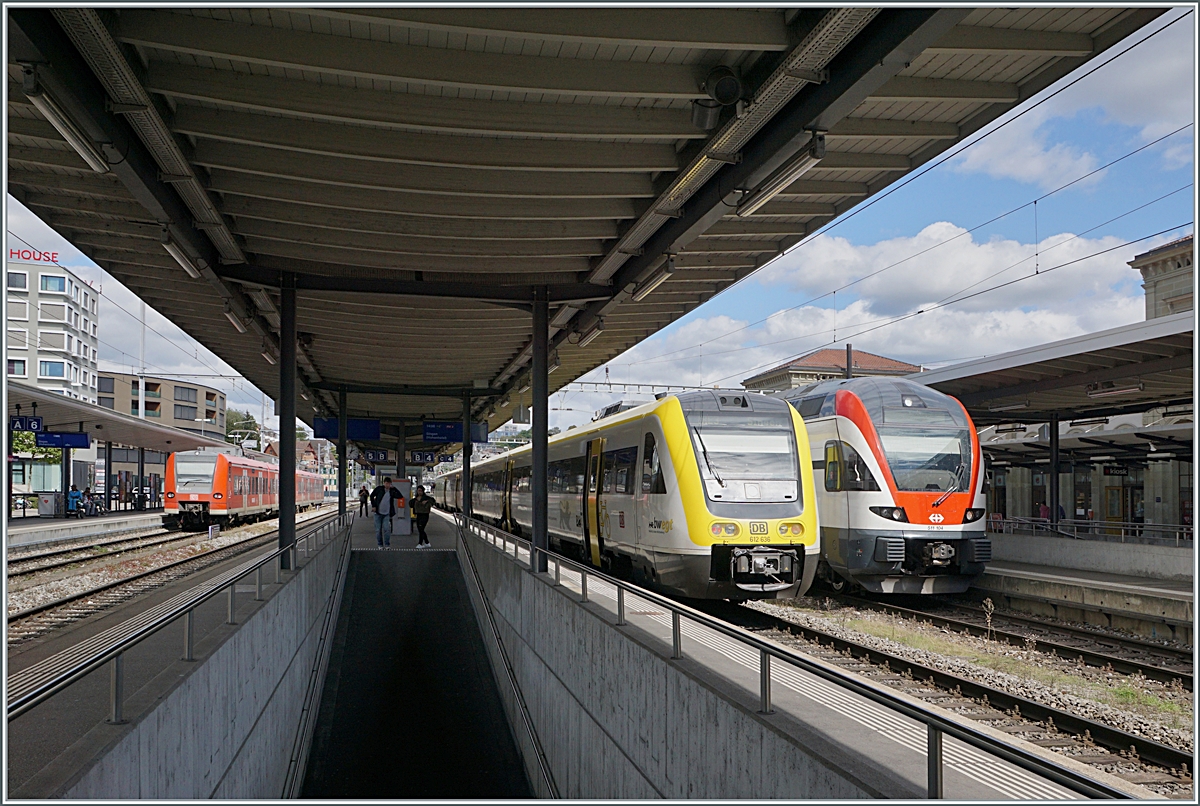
652	475
833	466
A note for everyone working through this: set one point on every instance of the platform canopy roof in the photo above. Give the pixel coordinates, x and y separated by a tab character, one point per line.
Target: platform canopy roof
1092	443
61	413
421	171
1125	370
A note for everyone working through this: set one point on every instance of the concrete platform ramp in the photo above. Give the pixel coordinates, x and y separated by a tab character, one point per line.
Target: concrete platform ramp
410	707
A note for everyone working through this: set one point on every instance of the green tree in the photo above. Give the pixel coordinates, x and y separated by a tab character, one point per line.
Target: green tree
26	442
240	426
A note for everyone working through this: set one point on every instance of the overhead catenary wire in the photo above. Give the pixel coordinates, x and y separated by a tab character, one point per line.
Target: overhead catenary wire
888	321
1010	267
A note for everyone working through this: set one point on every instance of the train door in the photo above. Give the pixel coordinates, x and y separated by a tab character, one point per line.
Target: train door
835	513
592	493
506	513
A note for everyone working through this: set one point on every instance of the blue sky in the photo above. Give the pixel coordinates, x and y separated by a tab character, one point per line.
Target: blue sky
1138	98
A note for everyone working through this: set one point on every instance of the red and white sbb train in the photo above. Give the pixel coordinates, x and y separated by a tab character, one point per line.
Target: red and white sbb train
900	486
203	488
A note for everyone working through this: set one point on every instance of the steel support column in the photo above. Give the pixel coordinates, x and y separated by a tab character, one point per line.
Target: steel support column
541	413
141	479
341	449
287	416
110	477
1052	479
401	459
466	451
66	477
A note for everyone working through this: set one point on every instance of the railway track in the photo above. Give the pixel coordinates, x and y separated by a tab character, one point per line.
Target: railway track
1134	758
1121	655
30	564
43	618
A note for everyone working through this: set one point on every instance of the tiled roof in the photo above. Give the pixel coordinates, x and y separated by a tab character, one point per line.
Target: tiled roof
835	361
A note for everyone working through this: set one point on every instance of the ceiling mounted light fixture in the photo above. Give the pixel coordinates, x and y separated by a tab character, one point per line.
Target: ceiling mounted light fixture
58	118
783	176
587	338
174	250
1114	391
523	386
1010	406
554	364
234	320
654	280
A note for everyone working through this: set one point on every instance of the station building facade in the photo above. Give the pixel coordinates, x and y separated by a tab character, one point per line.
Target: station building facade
53	336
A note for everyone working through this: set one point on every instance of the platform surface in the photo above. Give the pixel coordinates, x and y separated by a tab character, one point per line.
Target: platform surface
30	531
410	707
1164	588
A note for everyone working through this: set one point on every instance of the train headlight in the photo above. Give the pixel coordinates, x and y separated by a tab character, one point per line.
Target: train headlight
725	530
973	515
170	495
794	529
218	496
891	513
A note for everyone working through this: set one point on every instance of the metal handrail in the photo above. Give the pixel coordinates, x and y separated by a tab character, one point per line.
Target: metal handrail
543	762
1164	533
936	724
202	593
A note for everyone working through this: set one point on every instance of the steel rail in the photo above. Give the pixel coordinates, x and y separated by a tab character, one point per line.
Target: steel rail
182	606
936	724
81	546
20	572
33	611
1088	656
1109	737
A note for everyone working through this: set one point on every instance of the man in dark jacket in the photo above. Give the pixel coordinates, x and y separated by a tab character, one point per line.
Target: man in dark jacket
383	504
422	504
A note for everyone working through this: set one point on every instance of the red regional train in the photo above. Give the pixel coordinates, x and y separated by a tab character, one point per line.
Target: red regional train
204	488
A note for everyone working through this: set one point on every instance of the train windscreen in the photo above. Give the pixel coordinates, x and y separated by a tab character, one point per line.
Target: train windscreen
194	472
928	459
744	446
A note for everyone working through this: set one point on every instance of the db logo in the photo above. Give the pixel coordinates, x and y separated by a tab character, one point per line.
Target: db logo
936	518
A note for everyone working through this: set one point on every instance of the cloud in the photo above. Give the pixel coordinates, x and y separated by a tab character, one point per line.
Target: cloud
881	316
1020	151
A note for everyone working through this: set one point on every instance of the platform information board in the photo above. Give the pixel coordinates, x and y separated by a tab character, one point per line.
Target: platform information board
63	439
447	431
356	428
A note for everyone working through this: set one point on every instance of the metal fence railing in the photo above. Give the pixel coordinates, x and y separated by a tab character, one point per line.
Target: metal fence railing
29	687
1159	534
937	726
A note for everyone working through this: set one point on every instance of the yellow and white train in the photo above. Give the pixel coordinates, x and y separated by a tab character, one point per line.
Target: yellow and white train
706	494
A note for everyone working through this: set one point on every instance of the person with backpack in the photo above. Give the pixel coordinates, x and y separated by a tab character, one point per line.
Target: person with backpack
383	503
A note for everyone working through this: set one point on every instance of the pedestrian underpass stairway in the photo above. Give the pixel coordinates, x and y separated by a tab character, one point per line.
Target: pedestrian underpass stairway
410	707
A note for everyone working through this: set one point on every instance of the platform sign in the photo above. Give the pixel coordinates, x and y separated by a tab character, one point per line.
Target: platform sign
63	439
376	457
356	428
422	457
447	431
445	457
33	424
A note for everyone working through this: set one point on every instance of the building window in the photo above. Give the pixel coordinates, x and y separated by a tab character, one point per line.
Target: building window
185	412
153	409
186	394
52	313
16	368
54	283
133	407
18	280
107	402
95	327
52	340
52	369
18	309
87	300
17	339
93	309
105	385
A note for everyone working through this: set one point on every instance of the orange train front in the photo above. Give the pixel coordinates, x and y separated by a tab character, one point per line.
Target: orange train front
204	488
900	486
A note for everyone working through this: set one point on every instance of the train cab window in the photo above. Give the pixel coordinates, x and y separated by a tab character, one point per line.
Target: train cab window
652	474
846	470
619	468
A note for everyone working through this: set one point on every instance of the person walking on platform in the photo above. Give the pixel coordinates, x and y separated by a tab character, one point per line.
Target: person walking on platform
422	505
363	498
74	503
383	503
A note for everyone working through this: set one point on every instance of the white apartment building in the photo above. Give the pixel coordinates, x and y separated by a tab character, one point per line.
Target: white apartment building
53	326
